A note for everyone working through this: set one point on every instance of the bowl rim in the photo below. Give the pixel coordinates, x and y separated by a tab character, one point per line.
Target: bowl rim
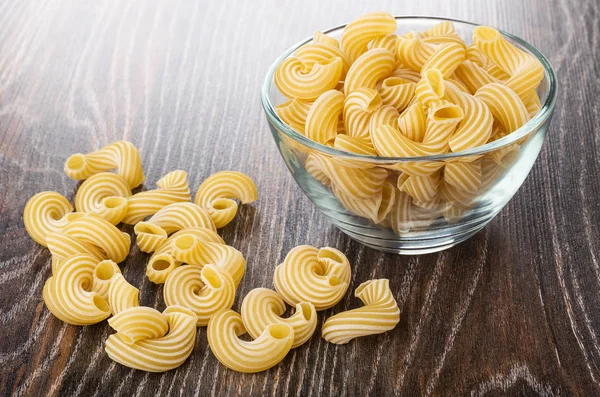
537	120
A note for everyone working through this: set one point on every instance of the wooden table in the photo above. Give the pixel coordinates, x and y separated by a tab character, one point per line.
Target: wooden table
513	310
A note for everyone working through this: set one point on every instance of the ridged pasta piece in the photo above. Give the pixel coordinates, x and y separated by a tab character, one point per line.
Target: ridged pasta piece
309	274
474	76
172	188
313	168
476	127
525	71
453	214
431	87
105	194
383	115
397	92
312	53
215	194
457	197
93	230
446	59
442	119
359	33
464	176
420	188
358	108
413	122
262	353
322	119
388	42
505	105
153	232
63	246
371	67
389	141
45	213
440	29
157	354
296	80
104	274
354	145
474	55
68	294
193	251
162	262
139	323
374	208
320	37
205	291
120	155
532	103
400	214
262	307
294	113
122	295
413	52
406	73
451	38
379	314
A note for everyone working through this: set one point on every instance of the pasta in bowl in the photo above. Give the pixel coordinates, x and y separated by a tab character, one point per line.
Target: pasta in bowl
410	133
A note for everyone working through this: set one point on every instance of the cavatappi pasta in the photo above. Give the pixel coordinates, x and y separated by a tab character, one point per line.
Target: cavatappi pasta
415	94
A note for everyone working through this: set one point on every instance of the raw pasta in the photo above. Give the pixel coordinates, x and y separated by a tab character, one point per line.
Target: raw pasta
105	194
44	213
121	294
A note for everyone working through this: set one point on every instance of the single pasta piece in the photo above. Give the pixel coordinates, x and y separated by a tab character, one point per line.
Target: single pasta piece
122	295
193	251
262	307
322	119
420	188
532	103
397	92
177	216
389	141
313	167
45	213
157	354
443	28
105	194
68	296
400	214
446	59
406	73
371	67
294	113
413	52
354	145
262	353
473	76
313	53
451	38
296	80
358	108
162	262
320	37
104	274
205	291
215	194
172	188
374	208
383	115
121	155
431	87
93	230
388	42
379	314
505	105
457	197
63	246
441	122
413	122
317	275
138	323
358	33
464	176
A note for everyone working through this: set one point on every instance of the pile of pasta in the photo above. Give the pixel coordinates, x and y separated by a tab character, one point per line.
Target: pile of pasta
200	272
376	93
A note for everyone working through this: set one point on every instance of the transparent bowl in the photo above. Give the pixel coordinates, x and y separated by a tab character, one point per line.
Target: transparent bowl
389	220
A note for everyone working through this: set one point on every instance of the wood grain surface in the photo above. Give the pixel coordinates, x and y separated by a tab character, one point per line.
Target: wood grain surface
514	310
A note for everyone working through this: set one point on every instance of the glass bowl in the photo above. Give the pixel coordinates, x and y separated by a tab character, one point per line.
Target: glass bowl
382	217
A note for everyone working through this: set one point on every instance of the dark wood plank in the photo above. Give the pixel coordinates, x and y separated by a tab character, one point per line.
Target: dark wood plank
512	311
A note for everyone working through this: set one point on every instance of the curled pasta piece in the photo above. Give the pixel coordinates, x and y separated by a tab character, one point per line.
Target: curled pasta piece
473	76
532	103
389	141
294	113
104	274
358	108
262	353
406	73
309	274
68	295
45	213
397	92
138	323
320	37
162	262
388	42
215	194
431	87
446	59
205	291
121	155
312	53
457	197
104	194
172	188
420	188
313	168
371	67
383	115
441	122
374	208
443	28
464	176
400	214
122	295
379	314
413	122
354	145
262	307
62	247
296	80
525	71
505	105
413	52
322	119
158	354
177	216
193	251
358	33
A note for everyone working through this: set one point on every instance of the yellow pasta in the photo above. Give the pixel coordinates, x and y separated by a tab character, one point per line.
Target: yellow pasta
63	246
388	141
322	119
309	274
400	214
379	314
313	53
397	92
406	73
443	28
320	37
413	52
105	194
353	145
205	291
262	307
464	176
431	87
296	80
104	274
262	353
122	295
44	213
383	115
413	122
313	168
121	155
139	323
388	42
374	208
157	353
371	67
68	294
358	33
358	108
294	113
446	59
473	76
505	105
153	232
532	103
420	188
215	194
442	120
